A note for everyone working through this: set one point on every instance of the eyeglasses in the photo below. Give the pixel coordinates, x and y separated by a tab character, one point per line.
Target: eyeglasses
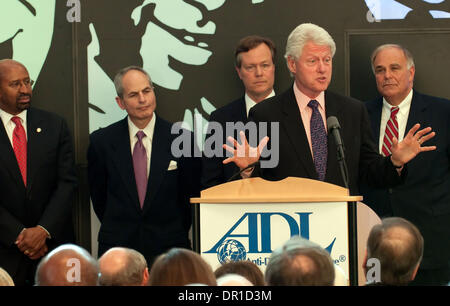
17	84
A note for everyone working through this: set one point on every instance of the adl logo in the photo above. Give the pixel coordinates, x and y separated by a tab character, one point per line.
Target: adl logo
233	250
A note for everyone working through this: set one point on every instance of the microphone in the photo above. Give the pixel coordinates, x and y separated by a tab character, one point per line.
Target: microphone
334	129
252	165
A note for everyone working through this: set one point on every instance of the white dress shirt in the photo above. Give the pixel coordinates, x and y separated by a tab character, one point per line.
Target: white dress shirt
402	118
249	103
146	141
10	125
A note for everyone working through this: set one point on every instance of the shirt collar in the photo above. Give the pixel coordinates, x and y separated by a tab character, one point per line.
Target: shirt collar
303	100
249	103
6	117
148	130
404	106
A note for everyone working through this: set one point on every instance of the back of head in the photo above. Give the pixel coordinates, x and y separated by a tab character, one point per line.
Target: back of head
233	280
250	42
300	262
304	33
398	246
180	267
5	278
67	265
122	267
245	268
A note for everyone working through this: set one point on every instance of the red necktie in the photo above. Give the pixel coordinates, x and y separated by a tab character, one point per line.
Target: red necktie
390	132
20	147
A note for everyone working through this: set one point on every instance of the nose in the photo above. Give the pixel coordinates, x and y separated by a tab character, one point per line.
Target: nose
141	97
258	70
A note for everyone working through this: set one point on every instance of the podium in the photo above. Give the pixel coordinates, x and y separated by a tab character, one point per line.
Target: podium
248	219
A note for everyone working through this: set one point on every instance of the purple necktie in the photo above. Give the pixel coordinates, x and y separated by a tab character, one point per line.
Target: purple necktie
140	167
318	140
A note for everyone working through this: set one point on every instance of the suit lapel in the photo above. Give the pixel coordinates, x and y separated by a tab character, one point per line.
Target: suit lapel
374	109
295	130
8	158
36	134
123	160
160	158
417	112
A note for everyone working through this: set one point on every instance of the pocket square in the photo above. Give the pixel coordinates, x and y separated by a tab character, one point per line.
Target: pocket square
172	165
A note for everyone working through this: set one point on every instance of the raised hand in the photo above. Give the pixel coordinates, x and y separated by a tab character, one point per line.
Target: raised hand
243	154
411	145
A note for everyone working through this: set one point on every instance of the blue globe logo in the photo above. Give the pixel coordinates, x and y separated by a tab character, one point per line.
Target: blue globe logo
231	250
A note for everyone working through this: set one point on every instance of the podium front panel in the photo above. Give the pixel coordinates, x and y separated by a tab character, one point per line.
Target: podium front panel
251	231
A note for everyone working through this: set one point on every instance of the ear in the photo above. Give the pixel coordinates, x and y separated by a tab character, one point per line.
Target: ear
238	70
412	72
291	64
145	277
120	102
415	272
364	262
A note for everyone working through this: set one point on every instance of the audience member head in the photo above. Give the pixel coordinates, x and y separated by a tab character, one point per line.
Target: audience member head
67	265
232	279
300	262
245	268
397	245
180	267
5	278
123	267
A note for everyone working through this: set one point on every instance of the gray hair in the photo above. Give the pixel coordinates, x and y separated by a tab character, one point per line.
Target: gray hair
300	262
130	275
304	33
408	55
119	76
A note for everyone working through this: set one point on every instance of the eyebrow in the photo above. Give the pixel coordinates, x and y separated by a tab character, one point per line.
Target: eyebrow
28	6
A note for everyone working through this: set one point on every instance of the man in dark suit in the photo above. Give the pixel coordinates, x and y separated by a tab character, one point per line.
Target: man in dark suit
305	149
37	177
139	186
255	66
424	198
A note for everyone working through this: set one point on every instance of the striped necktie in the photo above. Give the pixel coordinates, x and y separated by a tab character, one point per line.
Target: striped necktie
390	132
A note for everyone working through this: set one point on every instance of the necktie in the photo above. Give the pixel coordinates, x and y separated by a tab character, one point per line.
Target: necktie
318	140
140	167
20	147
390	132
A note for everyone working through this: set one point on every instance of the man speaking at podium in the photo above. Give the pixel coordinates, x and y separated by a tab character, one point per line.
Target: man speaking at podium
305	149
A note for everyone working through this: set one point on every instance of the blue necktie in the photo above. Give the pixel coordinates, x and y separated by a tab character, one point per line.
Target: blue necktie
140	167
318	140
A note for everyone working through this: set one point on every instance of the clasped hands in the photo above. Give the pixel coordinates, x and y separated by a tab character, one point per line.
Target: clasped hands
32	242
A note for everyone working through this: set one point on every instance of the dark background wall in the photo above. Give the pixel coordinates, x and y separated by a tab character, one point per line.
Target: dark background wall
63	85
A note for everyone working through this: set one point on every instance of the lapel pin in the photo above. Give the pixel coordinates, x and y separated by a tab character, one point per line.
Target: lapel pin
38	130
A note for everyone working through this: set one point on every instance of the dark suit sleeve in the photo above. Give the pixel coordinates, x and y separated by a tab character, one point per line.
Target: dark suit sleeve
212	166
60	204
96	177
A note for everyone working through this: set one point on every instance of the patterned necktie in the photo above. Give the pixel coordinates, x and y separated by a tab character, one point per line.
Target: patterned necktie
390	132
20	147
318	140
140	167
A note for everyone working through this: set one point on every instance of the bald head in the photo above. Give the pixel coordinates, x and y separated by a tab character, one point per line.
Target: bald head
123	267
7	64
233	280
67	265
15	87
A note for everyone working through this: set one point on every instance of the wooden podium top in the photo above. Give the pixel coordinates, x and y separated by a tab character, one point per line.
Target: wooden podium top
291	189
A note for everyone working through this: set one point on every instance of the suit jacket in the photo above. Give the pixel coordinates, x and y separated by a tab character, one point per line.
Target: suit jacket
295	159
214	172
424	198
165	219
51	180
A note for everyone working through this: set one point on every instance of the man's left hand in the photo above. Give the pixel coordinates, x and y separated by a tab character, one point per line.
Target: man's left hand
411	145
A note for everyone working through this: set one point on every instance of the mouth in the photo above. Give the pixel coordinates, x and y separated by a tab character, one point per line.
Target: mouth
24	99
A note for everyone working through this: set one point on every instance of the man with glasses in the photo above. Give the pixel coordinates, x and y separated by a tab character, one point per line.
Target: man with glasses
37	177
140	187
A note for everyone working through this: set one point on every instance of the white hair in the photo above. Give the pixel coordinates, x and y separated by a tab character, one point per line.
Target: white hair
304	33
